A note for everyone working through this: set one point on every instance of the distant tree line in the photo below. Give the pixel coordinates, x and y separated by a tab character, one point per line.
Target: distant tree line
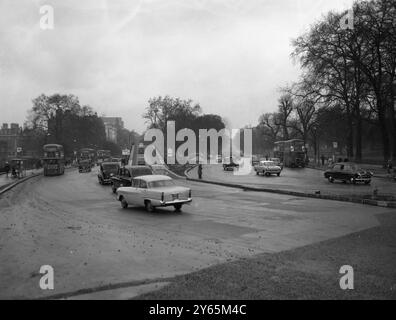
185	113
61	119
346	93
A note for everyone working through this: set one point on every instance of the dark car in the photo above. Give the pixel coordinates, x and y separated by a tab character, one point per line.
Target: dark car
84	166
106	171
348	172
229	164
124	176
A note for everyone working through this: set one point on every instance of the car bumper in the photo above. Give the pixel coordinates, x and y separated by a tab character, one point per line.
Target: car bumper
268	171
363	179
159	203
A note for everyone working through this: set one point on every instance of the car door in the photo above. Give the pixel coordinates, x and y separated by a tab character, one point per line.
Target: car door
336	171
132	192
142	191
126	178
343	175
348	172
116	178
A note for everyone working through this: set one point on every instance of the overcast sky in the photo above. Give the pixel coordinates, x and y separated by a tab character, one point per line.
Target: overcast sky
231	56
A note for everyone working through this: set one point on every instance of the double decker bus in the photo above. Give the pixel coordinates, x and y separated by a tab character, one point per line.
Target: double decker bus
103	155
87	154
292	153
53	160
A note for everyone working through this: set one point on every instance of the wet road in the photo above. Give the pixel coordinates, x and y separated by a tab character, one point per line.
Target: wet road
75	225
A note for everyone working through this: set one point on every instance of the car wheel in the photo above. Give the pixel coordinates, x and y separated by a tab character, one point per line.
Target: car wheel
353	180
278	174
149	207
257	173
367	182
267	174
331	179
178	207
124	203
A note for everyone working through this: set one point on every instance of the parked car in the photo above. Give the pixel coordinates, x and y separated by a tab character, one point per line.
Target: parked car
229	164
348	172
267	167
154	191
106	171
124	176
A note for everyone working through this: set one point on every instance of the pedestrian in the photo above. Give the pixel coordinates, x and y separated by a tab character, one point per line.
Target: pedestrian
200	171
7	168
323	159
389	166
13	172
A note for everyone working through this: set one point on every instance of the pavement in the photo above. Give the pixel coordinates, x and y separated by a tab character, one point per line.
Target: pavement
98	249
6	181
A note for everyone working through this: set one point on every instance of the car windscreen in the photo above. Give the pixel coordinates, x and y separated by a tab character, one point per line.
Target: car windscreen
268	163
110	168
141	172
160	184
51	161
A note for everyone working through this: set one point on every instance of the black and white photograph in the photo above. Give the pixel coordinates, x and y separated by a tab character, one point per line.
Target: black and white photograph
209	151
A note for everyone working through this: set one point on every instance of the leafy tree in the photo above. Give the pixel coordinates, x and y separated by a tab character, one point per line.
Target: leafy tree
61	119
355	69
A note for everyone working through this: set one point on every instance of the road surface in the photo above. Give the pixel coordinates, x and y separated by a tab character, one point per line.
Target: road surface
75	225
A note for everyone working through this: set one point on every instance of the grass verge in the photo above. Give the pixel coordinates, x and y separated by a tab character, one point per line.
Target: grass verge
310	272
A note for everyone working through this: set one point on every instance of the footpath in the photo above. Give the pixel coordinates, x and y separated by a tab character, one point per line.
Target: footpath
7	183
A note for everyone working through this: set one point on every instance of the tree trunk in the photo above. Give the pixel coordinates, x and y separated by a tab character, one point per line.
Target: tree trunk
384	130
358	133
349	133
392	120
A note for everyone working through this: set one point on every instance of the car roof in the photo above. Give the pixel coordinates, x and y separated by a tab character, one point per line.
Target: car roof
112	162
155	177
137	167
351	163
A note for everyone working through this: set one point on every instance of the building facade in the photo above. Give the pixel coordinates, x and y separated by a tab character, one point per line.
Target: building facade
9	140
112	127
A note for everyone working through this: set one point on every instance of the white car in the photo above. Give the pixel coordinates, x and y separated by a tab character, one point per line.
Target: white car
154	191
277	162
267	168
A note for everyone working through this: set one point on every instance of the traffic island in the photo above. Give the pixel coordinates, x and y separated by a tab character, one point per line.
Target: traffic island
380	201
